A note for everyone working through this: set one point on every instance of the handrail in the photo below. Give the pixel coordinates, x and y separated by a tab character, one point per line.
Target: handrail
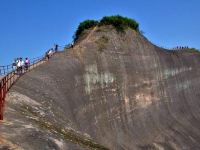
11	76
4	70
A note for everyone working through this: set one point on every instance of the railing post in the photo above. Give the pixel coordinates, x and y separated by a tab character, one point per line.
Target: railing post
4	71
6	83
1	101
3	94
7	70
4	88
9	81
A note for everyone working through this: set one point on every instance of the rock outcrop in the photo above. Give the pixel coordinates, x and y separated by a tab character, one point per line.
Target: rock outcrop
111	91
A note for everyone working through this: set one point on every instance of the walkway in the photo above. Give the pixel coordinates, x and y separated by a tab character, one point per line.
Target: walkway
9	77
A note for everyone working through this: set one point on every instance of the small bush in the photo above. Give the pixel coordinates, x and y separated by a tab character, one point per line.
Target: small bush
193	50
84	26
119	22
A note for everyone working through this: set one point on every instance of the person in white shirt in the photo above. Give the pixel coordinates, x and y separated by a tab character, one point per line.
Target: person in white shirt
20	66
50	53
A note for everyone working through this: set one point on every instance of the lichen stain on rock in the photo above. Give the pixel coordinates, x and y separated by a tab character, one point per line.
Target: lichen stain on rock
92	77
183	85
173	72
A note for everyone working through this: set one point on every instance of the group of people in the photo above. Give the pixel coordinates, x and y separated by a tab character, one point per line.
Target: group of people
51	51
21	65
180	47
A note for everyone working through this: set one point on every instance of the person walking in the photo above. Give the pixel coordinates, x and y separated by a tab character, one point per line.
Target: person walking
20	66
47	55
72	45
50	52
27	63
56	47
14	64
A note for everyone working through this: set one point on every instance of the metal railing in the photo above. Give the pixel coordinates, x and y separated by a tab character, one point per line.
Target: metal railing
10	76
5	70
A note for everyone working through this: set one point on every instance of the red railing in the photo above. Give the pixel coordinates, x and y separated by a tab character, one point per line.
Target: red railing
10	76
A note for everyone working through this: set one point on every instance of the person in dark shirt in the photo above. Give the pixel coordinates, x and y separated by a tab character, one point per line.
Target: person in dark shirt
56	47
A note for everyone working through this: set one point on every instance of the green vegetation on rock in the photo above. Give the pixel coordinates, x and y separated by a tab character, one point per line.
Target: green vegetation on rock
118	22
87	24
193	50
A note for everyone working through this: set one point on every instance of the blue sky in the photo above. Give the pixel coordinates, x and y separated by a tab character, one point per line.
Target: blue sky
30	27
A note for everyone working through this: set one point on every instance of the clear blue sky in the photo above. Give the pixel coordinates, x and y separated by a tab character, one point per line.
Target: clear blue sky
30	27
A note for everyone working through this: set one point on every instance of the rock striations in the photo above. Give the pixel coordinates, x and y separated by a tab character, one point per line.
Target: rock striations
113	91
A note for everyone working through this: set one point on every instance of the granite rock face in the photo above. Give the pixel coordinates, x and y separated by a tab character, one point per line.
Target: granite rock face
116	91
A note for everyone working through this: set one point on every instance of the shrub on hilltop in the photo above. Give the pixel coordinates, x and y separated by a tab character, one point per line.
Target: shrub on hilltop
87	24
120	23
